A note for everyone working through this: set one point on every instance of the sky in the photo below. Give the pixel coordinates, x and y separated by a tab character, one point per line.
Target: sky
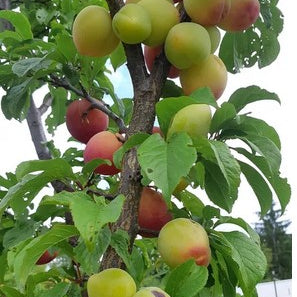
279	77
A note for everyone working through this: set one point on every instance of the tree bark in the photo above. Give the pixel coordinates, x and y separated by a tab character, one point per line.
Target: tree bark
147	91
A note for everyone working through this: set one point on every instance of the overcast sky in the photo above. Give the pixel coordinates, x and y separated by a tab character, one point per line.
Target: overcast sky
280	77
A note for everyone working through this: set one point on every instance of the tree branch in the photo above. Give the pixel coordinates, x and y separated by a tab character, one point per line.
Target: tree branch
62	82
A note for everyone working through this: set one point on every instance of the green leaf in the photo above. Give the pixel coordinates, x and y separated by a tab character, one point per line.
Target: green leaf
10	292
244	96
248	125
35	279
98	215
59	290
170	89
192	203
165	163
21	195
15	103
186	280
90	260
133	141
241	223
19	21
222	172
57	168
58	108
259	186
118	57
20	232
27	257
168	107
265	148
120	242
222	115
22	67
249	259
280	185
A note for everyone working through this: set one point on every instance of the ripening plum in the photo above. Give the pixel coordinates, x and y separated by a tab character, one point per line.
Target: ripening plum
132	24
151	292
187	44
103	145
153	212
242	15
150	53
183	239
46	257
83	122
193	119
207	12
210	73
92	32
112	282
164	16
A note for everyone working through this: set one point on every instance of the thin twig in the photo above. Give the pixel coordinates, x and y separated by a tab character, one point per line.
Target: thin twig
62	82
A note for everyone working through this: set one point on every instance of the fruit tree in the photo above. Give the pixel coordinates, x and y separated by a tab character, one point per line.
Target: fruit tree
117	213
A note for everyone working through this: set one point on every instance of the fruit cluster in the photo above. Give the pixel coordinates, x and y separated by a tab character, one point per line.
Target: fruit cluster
189	46
192	243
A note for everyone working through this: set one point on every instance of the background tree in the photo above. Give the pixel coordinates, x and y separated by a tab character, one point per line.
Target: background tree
276	243
90	220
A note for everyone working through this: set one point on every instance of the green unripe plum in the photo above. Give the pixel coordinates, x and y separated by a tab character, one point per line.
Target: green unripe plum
210	73
103	145
164	16
215	37
187	44
206	12
242	14
193	119
181	240
112	282
151	292
132	24
92	32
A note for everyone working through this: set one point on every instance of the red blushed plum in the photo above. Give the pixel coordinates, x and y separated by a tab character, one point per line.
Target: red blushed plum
242	15
183	239
207	12
157	129
46	257
153	213
150	53
103	145
83	122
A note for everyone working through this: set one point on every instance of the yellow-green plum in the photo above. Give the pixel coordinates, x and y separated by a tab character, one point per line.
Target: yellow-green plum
187	44
132	24
92	32
210	73
242	15
193	119
215	37
164	16
206	12
151	292
112	282
181	240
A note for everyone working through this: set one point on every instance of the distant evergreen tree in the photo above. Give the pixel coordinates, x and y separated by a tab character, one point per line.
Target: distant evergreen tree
276	244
